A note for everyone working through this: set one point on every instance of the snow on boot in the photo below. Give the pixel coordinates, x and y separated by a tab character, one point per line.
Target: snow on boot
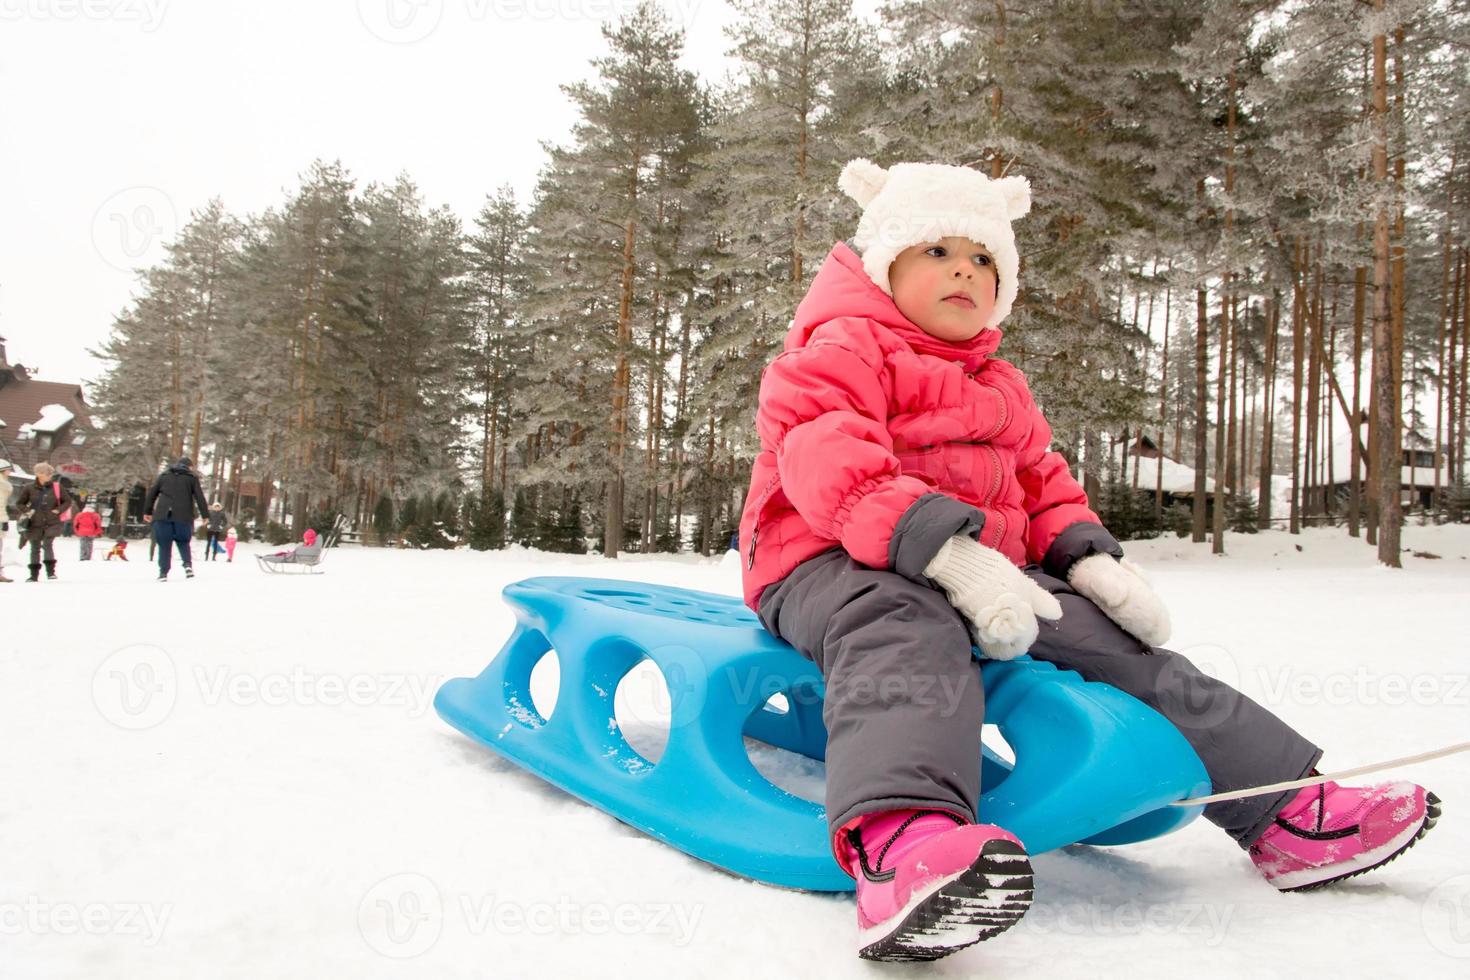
51	569
929	884
1331	832
188	571
35	573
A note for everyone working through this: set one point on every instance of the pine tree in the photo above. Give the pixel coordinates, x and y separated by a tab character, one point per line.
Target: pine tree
638	111
484	517
523	524
383	523
157	393
408	518
1244	518
498	283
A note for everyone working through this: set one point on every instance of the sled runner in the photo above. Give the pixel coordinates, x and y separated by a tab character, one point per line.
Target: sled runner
1092	764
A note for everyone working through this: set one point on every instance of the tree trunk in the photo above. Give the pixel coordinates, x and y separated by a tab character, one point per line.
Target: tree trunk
1268	414
997	100
1385	458
1355	488
1217	528
1225	448
1201	413
1396	279
1313	500
1453	377
1298	350
1445	304
1464	366
1163	402
613	519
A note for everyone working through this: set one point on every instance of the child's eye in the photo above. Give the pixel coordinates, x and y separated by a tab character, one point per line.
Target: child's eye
935	250
982	260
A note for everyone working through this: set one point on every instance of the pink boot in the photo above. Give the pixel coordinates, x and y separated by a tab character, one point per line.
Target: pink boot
1330	832
928	883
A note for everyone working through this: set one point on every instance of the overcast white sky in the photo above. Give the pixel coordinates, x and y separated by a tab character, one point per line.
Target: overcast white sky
120	116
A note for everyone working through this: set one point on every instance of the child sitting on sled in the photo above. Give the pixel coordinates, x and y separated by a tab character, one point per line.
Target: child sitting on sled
904	506
309	551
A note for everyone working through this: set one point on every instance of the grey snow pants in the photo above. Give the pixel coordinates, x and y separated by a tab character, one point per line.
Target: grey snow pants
905	702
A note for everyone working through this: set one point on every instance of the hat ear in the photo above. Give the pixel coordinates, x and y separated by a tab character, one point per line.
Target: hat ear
1016	192
861	180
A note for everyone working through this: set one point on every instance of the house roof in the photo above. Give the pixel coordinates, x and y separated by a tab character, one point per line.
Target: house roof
53	418
1421	475
45	407
1178	478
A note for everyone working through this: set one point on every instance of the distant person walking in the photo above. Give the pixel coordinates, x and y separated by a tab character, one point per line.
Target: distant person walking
170	507
218	522
46	500
88	525
5	490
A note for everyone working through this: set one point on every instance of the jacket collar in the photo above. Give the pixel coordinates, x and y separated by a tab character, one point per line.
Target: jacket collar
841	288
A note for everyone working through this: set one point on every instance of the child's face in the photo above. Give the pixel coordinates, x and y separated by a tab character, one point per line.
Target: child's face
947	288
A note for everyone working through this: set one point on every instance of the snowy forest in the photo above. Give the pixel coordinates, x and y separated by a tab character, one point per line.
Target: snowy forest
1251	225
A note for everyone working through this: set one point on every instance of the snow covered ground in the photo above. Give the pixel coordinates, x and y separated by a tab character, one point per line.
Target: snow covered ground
242	775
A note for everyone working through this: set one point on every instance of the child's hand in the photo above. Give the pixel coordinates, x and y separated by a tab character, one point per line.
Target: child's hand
998	601
1120	589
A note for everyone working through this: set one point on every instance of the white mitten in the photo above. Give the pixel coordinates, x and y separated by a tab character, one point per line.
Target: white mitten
1122	592
998	601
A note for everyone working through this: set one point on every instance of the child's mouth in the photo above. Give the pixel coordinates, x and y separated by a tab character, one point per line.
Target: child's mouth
960	299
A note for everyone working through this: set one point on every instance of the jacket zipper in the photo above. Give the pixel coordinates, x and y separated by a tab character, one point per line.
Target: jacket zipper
1004	416
755	531
995	482
995	474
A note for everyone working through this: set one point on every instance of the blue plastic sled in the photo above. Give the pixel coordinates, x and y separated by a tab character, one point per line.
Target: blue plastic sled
1093	764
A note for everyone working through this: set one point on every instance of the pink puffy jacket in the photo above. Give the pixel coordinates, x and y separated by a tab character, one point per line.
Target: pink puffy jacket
863	415
87	524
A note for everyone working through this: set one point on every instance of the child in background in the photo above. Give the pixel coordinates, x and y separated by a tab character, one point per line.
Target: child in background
218	519
308	552
308	541
119	550
230	538
905	505
88	525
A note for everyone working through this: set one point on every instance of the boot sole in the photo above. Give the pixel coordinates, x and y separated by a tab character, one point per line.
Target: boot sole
984	900
1431	816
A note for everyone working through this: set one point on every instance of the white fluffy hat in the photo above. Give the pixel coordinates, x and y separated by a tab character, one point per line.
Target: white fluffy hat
910	203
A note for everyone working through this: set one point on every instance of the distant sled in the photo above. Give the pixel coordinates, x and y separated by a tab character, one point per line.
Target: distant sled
304	560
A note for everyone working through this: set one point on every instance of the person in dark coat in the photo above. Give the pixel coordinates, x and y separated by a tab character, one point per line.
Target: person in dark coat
170	507
219	521
45	500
